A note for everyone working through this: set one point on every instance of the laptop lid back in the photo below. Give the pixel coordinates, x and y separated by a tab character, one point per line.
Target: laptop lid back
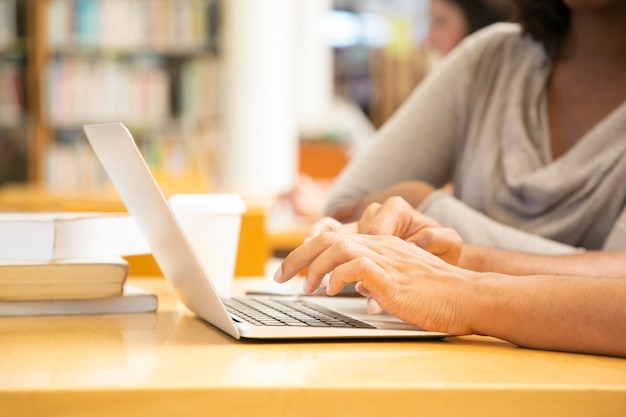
131	176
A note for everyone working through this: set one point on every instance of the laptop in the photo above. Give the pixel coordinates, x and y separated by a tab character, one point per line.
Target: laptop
294	317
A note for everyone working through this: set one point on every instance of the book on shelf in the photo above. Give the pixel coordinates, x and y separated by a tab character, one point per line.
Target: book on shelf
8	17
132	300
155	24
12	106
82	278
47	236
136	90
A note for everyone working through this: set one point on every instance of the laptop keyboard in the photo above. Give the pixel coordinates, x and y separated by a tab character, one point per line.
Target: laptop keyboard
264	311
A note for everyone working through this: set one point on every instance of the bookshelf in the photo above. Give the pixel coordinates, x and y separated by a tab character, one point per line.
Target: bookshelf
386	59
152	64
13	127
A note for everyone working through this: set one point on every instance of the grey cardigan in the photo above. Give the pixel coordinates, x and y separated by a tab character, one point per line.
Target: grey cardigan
480	120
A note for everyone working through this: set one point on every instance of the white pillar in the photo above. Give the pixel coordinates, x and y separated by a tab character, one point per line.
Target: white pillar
314	64
257	152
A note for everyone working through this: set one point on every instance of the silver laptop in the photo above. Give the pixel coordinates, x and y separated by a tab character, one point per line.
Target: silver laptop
282	317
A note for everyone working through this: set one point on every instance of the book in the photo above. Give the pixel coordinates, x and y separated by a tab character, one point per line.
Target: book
67	279
8	18
47	236
132	300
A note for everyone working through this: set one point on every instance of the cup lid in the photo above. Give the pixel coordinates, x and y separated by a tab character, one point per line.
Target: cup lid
230	203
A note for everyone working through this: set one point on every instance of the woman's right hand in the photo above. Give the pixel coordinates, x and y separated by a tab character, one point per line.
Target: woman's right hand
396	276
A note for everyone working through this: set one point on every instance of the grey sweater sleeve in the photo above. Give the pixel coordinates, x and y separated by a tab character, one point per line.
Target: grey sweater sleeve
419	141
617	237
477	229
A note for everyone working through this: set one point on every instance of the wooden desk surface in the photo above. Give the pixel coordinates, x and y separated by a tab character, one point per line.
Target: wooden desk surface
171	363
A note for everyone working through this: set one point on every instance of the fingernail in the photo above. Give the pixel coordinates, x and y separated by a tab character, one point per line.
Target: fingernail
304	285
325	281
373	307
278	273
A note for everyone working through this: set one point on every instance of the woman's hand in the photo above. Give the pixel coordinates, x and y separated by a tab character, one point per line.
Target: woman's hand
395	217
396	276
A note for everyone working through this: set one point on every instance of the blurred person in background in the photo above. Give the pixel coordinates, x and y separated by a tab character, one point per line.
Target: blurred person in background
453	20
450	22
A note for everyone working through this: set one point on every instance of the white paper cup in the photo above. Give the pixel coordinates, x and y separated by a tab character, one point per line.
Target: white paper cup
212	223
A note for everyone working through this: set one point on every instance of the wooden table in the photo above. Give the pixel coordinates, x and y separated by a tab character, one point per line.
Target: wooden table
171	363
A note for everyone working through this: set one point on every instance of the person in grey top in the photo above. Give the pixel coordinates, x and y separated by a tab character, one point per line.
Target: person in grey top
532	135
529	126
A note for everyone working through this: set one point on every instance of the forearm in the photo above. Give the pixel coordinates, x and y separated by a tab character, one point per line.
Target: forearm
418	142
566	313
605	264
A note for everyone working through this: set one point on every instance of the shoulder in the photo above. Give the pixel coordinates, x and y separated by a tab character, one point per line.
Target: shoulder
504	43
498	51
496	33
491	48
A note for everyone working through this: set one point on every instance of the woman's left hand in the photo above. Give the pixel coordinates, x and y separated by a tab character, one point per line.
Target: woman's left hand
395	217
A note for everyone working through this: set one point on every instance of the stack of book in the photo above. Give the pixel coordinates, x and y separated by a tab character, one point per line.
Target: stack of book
69	263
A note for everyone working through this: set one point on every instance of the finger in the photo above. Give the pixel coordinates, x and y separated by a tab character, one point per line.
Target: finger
355	270
411	219
325	224
383	219
349	228
361	289
368	218
440	241
303	255
328	224
323	254
373	307
325	280
395	217
344	250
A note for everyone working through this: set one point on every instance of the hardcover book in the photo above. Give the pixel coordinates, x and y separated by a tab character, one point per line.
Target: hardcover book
132	300
47	236
68	279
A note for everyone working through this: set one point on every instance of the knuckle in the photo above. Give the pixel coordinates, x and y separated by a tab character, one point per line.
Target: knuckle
327	237
344	246
364	264
373	206
375	229
396	202
331	222
453	236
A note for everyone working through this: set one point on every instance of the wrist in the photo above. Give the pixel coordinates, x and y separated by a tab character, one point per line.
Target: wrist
473	258
482	293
